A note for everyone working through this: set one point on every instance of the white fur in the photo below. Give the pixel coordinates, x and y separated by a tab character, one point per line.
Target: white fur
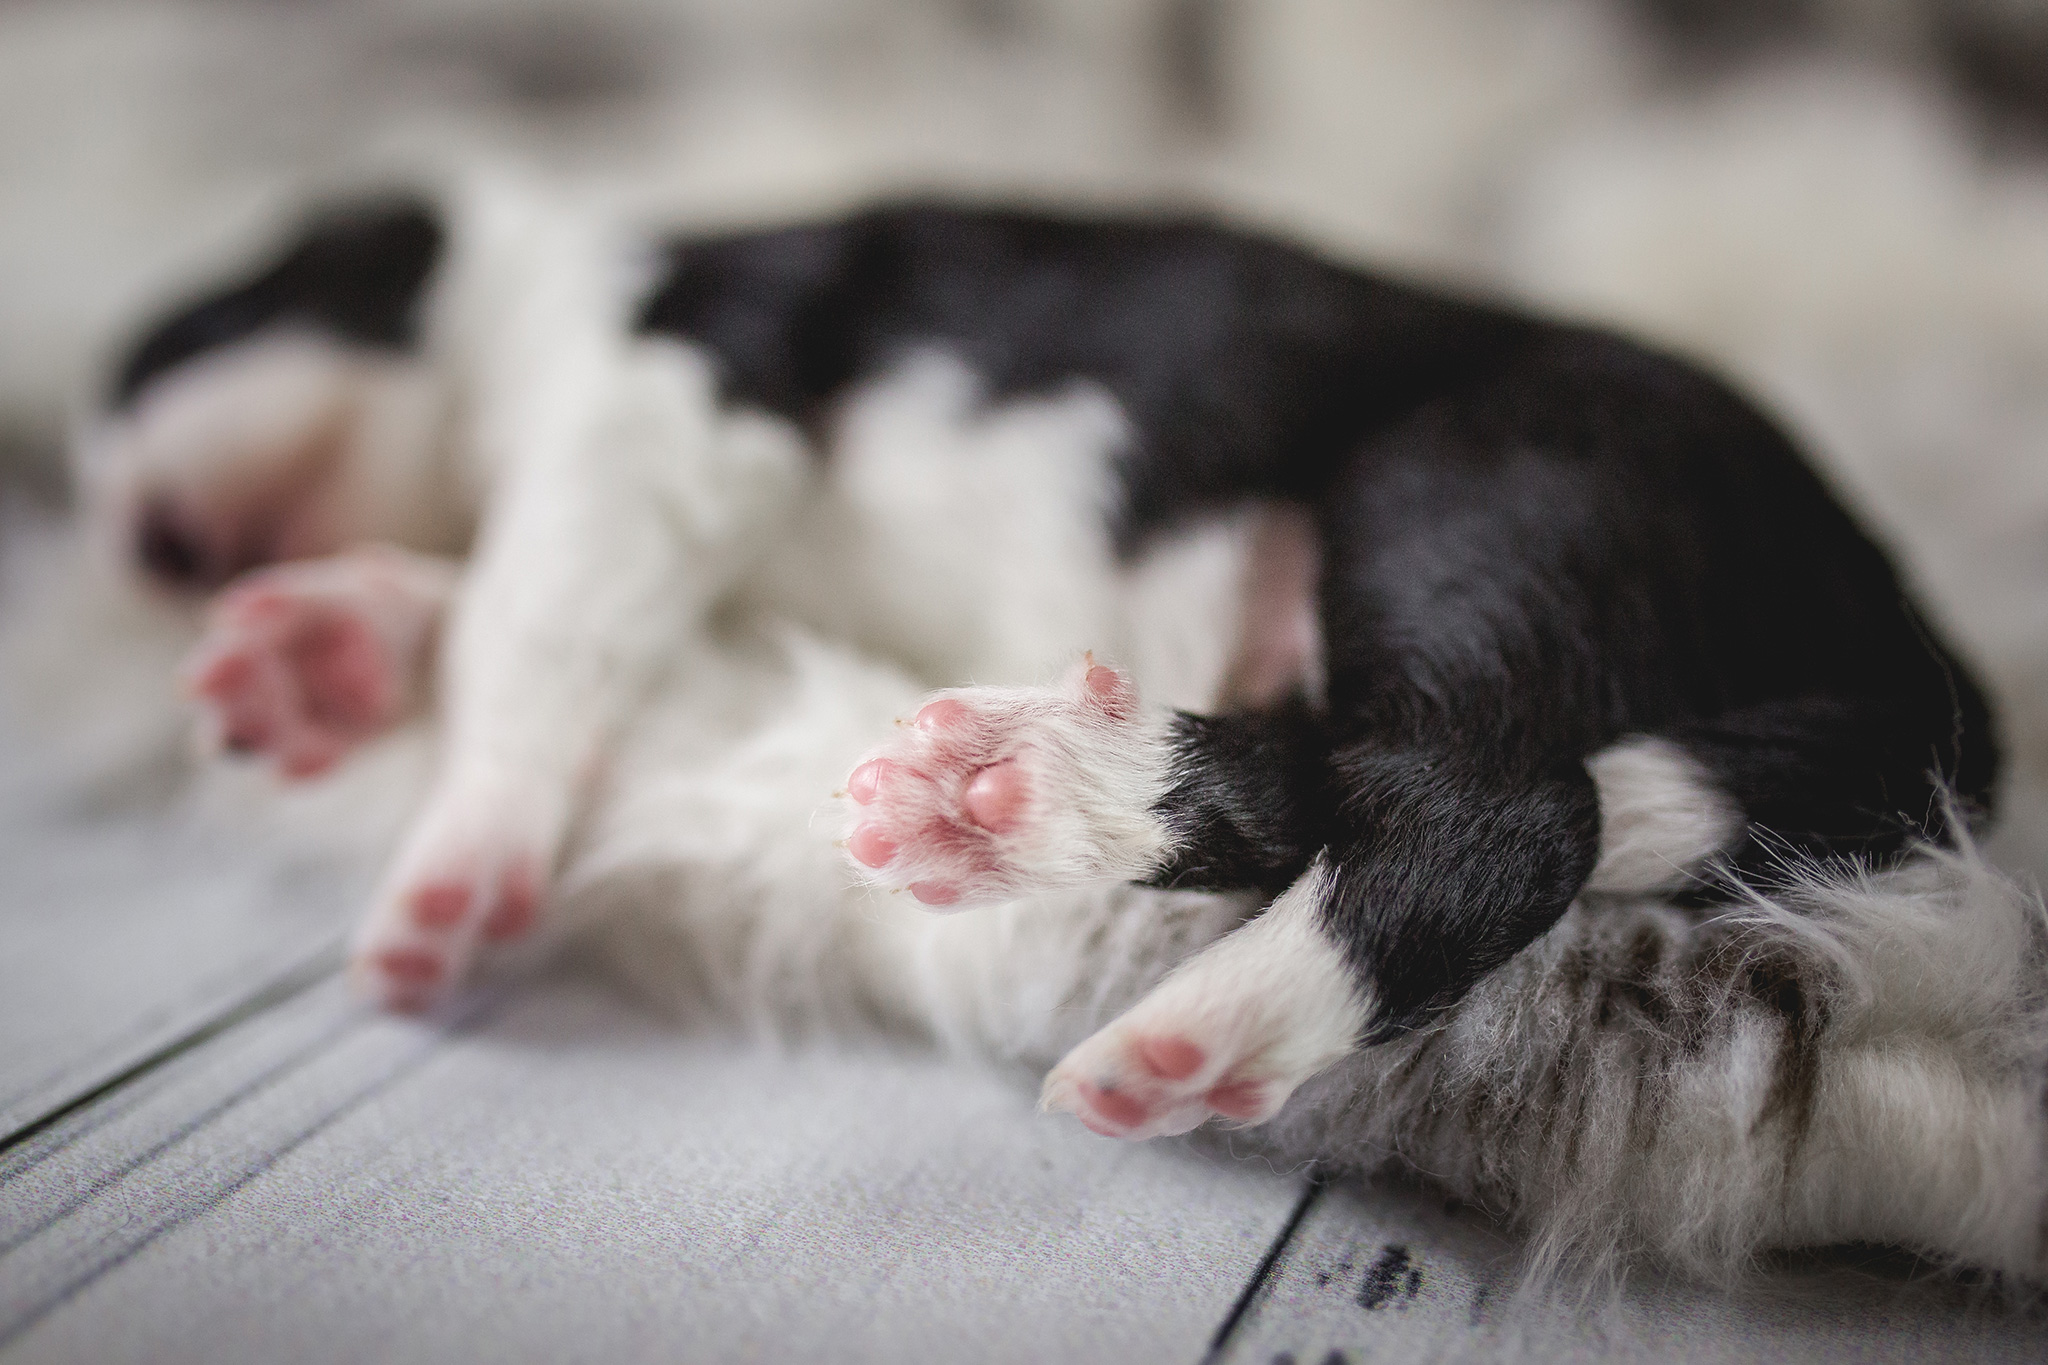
932	498
631	502
1661	817
286	445
1267	1007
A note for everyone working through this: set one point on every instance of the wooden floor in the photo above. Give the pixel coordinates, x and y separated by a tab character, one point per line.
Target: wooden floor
212	1154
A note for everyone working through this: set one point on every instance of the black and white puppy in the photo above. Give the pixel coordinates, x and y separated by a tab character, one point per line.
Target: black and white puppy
1416	618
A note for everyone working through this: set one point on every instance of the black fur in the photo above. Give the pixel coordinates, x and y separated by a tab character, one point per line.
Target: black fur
355	273
1249	367
1538	539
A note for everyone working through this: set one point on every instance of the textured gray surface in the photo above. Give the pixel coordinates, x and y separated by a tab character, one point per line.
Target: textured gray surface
1392	1274
122	936
570	1180
549	1173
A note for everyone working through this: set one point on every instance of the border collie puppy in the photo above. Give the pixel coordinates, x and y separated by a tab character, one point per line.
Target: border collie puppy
1399	623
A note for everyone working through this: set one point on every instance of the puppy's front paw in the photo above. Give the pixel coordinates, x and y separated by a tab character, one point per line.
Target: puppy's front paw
303	662
475	870
994	792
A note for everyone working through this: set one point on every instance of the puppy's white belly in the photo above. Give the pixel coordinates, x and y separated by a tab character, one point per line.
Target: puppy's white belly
970	543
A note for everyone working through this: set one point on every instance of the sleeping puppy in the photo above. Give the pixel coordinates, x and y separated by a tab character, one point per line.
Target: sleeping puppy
1404	620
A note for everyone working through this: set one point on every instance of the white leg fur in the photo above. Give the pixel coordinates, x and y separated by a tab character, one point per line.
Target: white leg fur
601	555
1232	1032
963	536
1661	817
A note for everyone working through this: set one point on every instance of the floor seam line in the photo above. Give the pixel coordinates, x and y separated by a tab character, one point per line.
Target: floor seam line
1263	1275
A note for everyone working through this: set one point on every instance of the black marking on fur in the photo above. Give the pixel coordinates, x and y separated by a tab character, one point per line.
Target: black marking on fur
1249	368
1998	55
1992	53
1713	31
354	273
1244	801
1774	981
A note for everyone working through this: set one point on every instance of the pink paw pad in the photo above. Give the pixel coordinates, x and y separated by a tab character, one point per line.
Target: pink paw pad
408	977
871	847
945	714
977	799
1110	690
1142	1084
1119	1109
419	941
866	783
518	907
301	677
441	905
507	910
997	796
1171	1059
1244	1100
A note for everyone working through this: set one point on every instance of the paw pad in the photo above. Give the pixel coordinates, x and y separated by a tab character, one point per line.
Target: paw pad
991	793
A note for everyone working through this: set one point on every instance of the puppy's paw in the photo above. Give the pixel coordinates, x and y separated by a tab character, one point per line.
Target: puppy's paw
475	870
1230	1034
1166	1075
994	792
302	662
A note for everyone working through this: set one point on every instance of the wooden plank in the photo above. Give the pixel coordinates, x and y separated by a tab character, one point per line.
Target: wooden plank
128	936
571	1179
1393	1274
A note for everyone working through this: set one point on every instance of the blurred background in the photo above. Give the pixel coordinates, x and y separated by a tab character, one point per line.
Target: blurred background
1843	203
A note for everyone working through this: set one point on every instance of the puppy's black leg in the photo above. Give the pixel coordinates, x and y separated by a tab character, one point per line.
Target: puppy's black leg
1444	866
1416	871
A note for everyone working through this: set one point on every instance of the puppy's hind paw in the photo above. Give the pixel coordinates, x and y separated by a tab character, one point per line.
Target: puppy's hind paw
1131	1083
1230	1034
995	792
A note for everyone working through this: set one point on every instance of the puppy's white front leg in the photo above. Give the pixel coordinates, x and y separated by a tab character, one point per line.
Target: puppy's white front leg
594	566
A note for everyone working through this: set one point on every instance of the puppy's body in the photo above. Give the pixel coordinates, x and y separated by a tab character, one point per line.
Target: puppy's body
1466	615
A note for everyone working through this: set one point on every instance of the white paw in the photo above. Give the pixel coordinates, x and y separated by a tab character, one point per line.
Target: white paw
994	792
1230	1034
1162	1078
303	662
475	869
